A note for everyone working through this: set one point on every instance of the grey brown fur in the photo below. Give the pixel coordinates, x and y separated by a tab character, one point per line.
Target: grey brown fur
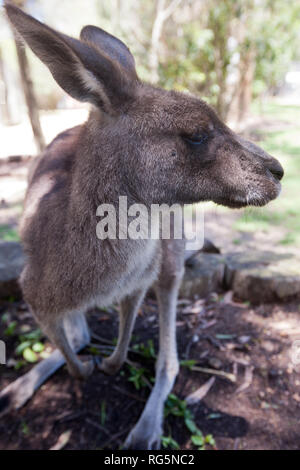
136	142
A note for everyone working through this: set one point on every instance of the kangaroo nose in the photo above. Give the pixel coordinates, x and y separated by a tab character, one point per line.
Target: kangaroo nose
276	169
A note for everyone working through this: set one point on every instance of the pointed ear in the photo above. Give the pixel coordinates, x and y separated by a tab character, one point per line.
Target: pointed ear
79	68
110	45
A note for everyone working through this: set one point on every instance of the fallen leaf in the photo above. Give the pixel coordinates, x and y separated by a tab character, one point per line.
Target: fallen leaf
62	440
200	393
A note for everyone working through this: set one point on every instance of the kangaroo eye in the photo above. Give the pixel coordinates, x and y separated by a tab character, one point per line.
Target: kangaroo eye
196	139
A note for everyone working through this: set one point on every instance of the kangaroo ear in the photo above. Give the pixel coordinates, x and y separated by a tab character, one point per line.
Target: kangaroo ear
111	46
79	68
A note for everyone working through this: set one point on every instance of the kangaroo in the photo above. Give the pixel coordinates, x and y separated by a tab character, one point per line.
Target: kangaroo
148	144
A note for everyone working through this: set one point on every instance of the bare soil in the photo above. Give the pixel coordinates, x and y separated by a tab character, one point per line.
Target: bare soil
253	343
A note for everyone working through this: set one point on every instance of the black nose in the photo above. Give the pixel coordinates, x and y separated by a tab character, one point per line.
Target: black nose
276	169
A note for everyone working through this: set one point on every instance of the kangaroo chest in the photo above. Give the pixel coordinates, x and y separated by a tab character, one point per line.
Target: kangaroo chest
135	270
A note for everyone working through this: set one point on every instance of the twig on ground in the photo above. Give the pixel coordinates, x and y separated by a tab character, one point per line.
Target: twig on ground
215	342
101	339
129	394
112	347
64	417
97	426
220	373
207	324
115	437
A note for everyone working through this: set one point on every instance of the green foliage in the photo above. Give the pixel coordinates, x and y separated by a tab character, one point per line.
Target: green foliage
11	328
189	363
276	38
201	45
139	376
147	350
176	407
94	351
25	428
228	38
8	234
30	345
169	443
29	355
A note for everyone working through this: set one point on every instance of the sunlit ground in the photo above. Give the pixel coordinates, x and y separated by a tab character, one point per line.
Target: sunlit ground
18	140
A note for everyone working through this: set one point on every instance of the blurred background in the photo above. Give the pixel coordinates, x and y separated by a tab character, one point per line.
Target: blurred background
241	56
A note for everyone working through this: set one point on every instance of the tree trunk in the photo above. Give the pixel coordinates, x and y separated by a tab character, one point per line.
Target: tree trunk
163	12
4	107
9	94
246	80
30	96
28	89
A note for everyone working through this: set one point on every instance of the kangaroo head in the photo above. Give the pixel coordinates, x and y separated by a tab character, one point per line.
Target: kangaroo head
171	147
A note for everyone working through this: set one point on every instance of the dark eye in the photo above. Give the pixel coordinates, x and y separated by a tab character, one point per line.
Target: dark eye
196	139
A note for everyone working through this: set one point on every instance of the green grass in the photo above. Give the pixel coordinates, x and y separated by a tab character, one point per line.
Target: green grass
8	234
278	111
257	219
284	144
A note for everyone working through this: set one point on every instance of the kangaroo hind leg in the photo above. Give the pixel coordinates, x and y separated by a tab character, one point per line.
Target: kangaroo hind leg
60	331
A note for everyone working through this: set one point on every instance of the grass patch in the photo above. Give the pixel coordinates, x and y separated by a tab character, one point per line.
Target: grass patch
8	234
257	219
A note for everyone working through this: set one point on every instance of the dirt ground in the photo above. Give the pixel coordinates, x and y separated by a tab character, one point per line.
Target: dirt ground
260	410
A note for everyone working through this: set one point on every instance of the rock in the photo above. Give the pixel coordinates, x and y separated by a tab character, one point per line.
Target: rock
256	276
204	276
262	276
11	264
208	247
